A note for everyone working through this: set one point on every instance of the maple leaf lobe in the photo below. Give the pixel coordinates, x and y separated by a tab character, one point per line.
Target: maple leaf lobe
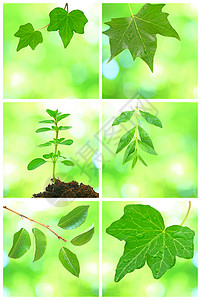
28	36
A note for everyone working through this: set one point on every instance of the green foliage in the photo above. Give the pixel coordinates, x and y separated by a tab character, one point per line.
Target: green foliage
60	20
69	261
75	218
40	243
83	238
21	244
145	142
56	155
138	33
142	228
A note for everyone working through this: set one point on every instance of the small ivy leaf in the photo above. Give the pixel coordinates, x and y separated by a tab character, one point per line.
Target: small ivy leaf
83	238
43	129
46	121
151	119
68	163
28	37
67	142
67	23
75	218
125	139
147	240
21	244
48	155
44	145
147	148
64	127
145	138
123	117
52	113
134	159
61	117
40	243
142	160
69	261
129	152
35	163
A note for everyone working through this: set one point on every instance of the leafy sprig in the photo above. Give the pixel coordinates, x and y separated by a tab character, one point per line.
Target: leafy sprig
55	156
73	220
136	138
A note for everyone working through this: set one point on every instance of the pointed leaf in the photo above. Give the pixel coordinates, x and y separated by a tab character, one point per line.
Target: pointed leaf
44	145
146	148
134	160
151	119
35	163
75	218
123	117
52	113
125	139
48	155
64	127
61	117
67	142
142	160
67	162
43	129
28	37
145	138
46	121
83	238
21	244
129	152
40	243
69	261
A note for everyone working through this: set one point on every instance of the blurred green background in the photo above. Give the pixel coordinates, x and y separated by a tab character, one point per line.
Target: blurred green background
20	141
50	71
180	281
175	63
47	277
173	173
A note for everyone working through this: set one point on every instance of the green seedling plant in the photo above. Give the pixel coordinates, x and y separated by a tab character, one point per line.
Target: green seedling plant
137	33
136	138
55	156
61	20
147	240
73	220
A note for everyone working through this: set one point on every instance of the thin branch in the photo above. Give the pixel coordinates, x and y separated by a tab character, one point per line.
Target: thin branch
46	226
188	211
44	27
66	7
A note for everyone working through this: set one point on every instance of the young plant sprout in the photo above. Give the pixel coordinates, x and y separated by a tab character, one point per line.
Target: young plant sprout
55	156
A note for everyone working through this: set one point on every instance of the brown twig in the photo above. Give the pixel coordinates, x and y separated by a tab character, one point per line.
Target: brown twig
66	7
44	27
46	226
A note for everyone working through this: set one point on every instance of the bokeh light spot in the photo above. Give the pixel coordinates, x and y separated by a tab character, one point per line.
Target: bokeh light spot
186	188
111	69
155	290
44	289
130	191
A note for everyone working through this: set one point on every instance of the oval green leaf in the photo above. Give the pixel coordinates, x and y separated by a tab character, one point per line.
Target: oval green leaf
142	160
123	117
44	145
21	244
64	127
129	152
61	117
147	148
75	218
43	129
52	113
35	163
46	121
83	238
40	243
69	261
48	155
145	138
125	139
134	159
151	119
67	162
67	142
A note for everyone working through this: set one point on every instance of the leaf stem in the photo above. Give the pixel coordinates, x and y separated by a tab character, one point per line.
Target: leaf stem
43	27
66	7
188	211
55	151
31	220
136	129
130	9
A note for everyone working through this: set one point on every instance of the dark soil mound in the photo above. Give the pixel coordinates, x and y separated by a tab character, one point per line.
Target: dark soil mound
72	189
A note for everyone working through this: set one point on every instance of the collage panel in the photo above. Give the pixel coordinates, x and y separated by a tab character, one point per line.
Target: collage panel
57	257
51	150
44	60
148	260
144	60
150	149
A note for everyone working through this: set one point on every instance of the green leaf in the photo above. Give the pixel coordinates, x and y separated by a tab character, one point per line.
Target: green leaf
61	117
46	121
75	218
129	152
83	238
145	138
52	113
147	240
43	129
64	127
28	37
44	145
142	160
151	119
125	139
35	163
69	261
68	163
67	23
137	33
134	159
146	148
123	117
21	244
67	142
40	243
48	155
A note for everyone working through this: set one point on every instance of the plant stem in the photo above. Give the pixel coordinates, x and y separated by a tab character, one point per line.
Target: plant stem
44	27
136	129
66	7
130	9
55	151
31	220
188	211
